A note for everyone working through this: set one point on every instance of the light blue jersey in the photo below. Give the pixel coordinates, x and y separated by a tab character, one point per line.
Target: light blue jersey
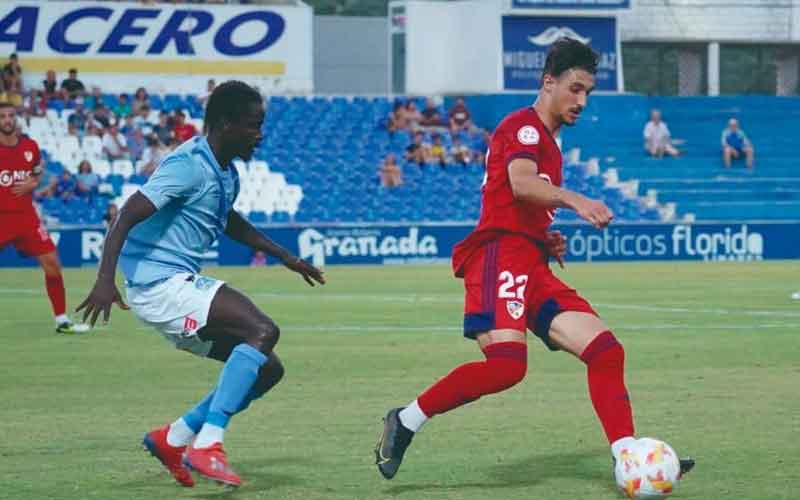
193	195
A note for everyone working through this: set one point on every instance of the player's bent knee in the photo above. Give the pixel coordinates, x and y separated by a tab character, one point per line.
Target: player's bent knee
265	335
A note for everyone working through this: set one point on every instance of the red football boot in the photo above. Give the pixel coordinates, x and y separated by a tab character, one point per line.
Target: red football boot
170	456
212	464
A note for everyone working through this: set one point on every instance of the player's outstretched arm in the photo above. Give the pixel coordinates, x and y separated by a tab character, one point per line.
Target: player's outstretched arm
238	228
105	292
529	187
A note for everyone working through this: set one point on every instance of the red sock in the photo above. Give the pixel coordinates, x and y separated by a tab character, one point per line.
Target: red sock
605	361
505	365
55	290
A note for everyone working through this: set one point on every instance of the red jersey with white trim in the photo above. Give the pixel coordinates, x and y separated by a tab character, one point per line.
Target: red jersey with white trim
17	163
521	134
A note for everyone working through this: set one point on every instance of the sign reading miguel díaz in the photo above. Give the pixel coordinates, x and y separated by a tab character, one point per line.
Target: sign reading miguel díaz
572	4
526	40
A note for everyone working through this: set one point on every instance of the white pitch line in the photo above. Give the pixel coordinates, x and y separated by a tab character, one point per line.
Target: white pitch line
451	298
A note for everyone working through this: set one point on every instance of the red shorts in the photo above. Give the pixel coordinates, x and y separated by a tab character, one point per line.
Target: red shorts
26	232
509	285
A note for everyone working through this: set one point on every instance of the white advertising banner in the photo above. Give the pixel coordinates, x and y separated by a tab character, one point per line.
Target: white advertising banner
147	40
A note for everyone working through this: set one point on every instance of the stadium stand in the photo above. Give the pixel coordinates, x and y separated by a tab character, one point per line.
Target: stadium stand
319	163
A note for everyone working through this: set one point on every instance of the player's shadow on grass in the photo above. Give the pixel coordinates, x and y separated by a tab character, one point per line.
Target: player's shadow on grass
584	466
258	475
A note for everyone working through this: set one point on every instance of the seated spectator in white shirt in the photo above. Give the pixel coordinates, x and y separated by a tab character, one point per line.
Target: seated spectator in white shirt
460	152
735	144
657	138
114	144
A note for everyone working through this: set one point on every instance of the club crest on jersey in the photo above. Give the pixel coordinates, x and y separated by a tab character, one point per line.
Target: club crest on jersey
28	155
528	135
515	308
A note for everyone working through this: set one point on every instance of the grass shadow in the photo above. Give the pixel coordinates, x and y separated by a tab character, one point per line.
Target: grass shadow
524	473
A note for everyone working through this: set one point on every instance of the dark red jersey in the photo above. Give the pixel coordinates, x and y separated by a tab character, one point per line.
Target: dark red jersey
521	134
17	163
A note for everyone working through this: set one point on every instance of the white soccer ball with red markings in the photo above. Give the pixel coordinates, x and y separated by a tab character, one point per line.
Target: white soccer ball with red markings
649	468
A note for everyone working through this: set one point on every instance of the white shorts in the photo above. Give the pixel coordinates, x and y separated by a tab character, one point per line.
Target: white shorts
178	308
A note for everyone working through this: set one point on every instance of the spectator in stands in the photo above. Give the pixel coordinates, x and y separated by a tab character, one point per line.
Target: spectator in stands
142	120
417	151
11	95
79	117
163	129
36	104
123	106
460	152
430	115
438	153
140	100
397	118
114	144
259	259
460	117
152	155
86	180
413	115
50	86
210	86
735	144
101	115
71	86
657	138
390	172
65	187
111	214
96	97
183	130
136	144
12	74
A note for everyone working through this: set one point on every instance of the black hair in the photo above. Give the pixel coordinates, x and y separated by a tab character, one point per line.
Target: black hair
6	104
229	101
568	53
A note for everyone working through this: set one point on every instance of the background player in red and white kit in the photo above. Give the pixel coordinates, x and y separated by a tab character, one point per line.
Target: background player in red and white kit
509	287
20	167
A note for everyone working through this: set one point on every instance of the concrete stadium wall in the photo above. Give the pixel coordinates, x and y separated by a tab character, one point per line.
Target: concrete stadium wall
350	55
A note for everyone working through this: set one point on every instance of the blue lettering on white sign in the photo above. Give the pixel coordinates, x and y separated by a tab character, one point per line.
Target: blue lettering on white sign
20	25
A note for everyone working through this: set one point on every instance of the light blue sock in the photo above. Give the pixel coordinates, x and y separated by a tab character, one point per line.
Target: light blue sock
196	417
235	382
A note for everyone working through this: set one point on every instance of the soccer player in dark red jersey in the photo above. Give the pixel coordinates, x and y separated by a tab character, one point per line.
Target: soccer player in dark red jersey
509	287
19	225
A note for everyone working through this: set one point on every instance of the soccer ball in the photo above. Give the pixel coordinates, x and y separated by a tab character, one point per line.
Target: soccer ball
649	468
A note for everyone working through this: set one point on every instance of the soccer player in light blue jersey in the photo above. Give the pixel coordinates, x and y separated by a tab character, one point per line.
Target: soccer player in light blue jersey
166	228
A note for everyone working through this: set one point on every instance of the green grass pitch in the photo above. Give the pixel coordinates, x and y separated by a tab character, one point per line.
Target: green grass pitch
713	366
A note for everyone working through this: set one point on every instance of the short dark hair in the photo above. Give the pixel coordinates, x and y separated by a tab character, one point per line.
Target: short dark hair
6	104
568	53
229	102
